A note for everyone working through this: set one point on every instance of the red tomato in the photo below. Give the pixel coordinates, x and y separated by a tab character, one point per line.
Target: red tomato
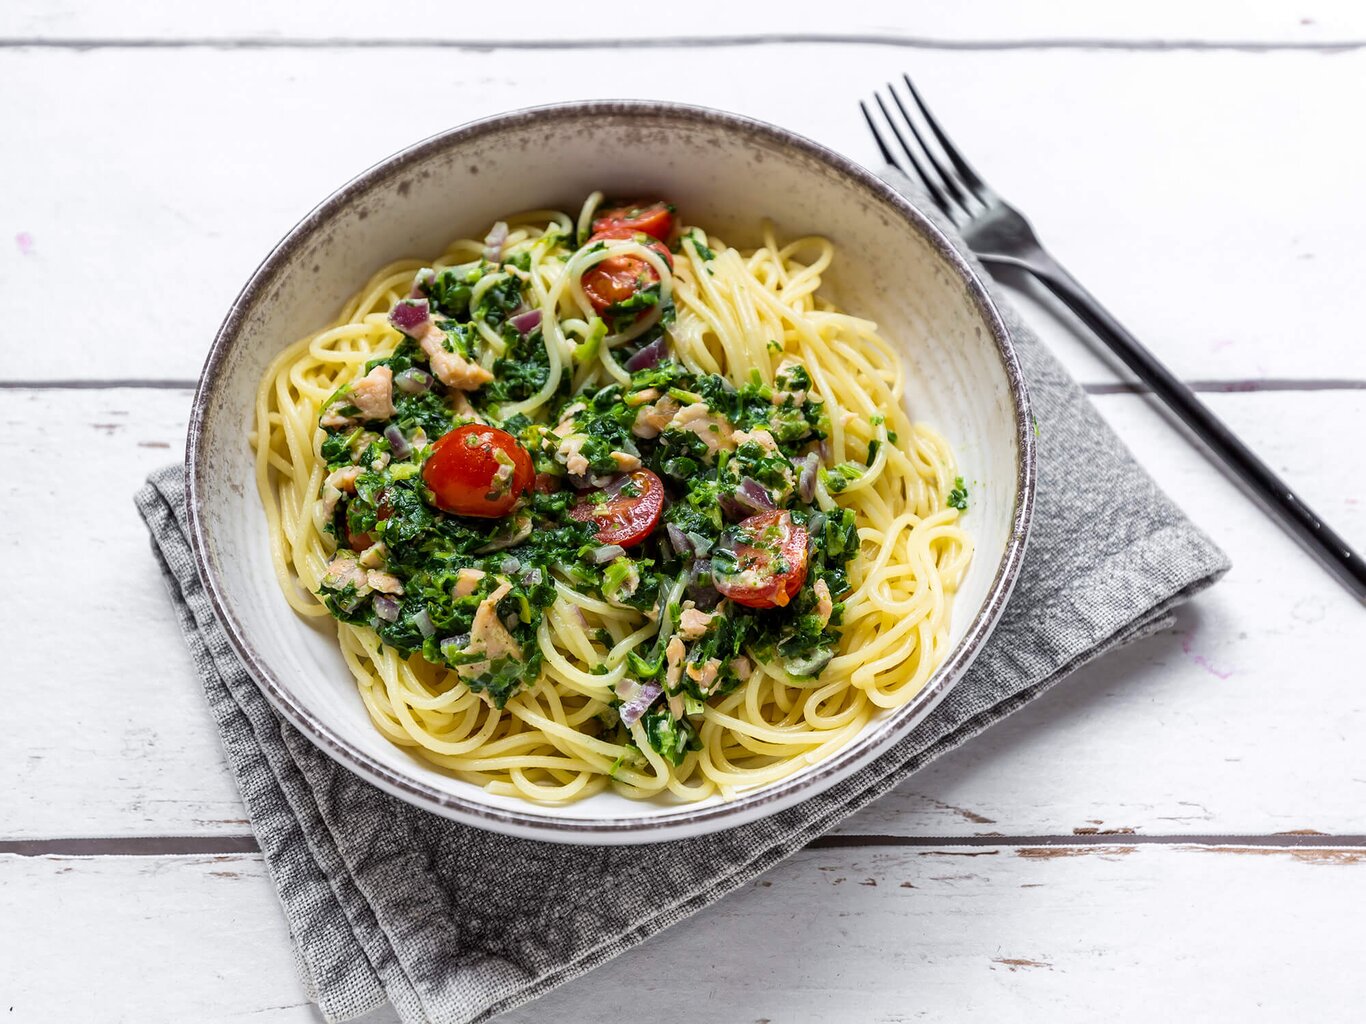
465	473
655	219
770	552
546	483
617	278
623	518
361	541
643	238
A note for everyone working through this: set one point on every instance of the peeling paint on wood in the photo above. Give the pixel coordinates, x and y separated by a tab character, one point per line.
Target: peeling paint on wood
1102	831
962	812
1014	776
125	919
1304	855
299	100
994	25
1057	852
800	952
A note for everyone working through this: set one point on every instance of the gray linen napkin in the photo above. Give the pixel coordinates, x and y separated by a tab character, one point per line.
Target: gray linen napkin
452	924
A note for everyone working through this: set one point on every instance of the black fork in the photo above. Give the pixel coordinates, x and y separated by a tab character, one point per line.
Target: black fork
1000	236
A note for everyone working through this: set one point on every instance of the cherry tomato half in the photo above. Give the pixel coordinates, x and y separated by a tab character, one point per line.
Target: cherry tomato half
478	471
770	555
625	511
655	219
617	278
546	483
361	541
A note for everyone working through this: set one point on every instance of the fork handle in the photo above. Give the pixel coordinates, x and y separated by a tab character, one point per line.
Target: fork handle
1297	517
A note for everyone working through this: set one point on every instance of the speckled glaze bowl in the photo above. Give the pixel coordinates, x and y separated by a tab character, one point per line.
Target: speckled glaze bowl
725	171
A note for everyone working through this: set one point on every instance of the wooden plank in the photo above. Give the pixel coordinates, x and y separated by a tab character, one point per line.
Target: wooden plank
949	934
871	935
150	939
1240	720
987	20
1200	233
112	734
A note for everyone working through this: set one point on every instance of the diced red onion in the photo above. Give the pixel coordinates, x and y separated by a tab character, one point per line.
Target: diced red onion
413	381
824	449
750	498
453	645
755	493
411	316
649	356
613	487
704	598
510	536
806	478
678	539
386	607
493	243
423	280
398	444
509	565
526	322
699	543
352	603
704	595
423	622
603	555
639	702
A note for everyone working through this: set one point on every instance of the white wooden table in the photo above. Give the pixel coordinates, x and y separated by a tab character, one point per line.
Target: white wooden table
1179	831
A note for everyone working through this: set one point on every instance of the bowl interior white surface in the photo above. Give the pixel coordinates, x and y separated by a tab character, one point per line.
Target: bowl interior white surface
724	174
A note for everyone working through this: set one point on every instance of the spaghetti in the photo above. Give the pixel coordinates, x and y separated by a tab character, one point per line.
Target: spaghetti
608	503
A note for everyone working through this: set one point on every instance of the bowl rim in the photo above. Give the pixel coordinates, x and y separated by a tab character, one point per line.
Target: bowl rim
533	821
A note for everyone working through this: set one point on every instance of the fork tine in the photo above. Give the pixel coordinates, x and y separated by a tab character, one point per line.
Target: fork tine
950	185
877	136
939	199
978	186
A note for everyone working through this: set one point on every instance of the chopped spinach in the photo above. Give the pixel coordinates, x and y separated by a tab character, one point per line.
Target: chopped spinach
958	497
474	591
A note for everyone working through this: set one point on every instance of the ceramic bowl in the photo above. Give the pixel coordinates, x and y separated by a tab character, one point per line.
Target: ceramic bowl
893	266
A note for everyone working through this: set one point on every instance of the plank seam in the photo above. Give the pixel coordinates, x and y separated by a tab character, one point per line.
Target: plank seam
684	42
97	384
1235	386
169	846
129	846
1280	840
1209	386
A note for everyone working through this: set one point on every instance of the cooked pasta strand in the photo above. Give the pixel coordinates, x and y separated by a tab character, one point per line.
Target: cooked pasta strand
737	313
